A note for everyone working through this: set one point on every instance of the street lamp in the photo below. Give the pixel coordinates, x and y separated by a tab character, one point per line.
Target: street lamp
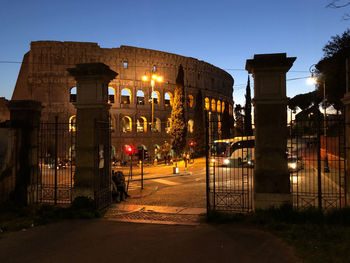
314	80
153	79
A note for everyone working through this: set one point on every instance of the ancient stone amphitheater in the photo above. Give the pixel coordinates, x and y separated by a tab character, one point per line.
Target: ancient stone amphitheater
43	77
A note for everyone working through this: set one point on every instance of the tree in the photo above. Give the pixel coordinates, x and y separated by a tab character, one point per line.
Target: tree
227	123
335	4
331	68
198	134
248	130
178	130
239	120
304	101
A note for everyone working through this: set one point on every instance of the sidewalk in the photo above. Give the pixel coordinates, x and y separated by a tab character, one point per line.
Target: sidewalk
110	241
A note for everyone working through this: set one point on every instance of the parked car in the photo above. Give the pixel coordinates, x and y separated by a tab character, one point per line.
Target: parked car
295	164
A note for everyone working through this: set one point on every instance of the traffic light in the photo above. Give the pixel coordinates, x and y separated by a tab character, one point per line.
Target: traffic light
140	153
191	144
129	150
145	154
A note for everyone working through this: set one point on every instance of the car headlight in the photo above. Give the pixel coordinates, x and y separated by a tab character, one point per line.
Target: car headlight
226	161
293	165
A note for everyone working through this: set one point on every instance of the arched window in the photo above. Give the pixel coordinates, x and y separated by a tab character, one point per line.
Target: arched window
219	127
141	124
73	94
140	97
168	125
111	95
223	107
230	109
112	123
155	97
157	125
168	99
218	106
190	100
72	123
190	126
213	105
126	124
125	96
207	104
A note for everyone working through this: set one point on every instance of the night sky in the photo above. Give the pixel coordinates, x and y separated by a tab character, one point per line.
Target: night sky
223	33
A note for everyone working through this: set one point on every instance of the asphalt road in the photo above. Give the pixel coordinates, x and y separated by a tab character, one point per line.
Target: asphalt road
110	241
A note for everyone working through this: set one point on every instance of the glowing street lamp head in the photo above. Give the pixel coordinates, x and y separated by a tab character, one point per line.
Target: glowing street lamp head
144	78
159	78
154	76
312	80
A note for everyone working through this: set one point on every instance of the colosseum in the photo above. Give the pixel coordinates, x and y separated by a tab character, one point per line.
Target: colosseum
43	77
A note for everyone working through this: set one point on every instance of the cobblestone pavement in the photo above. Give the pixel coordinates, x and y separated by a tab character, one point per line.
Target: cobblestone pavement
155	214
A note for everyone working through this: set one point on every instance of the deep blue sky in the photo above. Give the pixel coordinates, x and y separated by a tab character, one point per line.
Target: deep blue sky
223	33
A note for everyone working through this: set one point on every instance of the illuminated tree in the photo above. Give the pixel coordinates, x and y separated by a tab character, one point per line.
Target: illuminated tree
178	130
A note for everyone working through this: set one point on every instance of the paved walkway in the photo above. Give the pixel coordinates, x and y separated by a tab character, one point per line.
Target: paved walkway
110	241
168	215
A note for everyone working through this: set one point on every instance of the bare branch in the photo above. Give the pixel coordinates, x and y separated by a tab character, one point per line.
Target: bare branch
334	4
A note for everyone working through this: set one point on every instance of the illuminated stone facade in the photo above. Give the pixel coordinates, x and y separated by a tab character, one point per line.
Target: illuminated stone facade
43	77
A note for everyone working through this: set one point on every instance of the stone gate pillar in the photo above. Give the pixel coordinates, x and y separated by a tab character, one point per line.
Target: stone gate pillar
25	121
271	176
91	104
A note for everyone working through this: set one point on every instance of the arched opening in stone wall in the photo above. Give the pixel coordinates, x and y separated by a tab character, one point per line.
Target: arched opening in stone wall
168	125
190	124
72	123
223	107
125	96
213	105
126	124
157	125
140	97
155	97
73	94
218	106
230	109
112	123
141	124
168	99
190	100
111	95
207	104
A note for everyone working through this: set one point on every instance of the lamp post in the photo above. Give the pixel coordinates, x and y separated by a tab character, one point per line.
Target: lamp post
153	78
315	80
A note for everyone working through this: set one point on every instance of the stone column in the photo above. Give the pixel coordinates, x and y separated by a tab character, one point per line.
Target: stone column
271	176
25	121
92	104
346	102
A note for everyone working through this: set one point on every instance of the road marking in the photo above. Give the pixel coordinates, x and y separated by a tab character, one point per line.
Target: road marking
162	181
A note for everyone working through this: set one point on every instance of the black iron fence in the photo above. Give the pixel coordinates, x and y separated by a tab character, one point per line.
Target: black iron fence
52	182
316	160
230	167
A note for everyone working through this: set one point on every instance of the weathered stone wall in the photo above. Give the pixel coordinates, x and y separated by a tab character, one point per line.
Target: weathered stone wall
43	77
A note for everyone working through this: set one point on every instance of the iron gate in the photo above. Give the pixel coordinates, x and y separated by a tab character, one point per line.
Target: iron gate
316	160
102	182
230	168
53	178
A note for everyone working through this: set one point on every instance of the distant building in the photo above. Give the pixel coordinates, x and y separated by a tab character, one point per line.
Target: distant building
43	77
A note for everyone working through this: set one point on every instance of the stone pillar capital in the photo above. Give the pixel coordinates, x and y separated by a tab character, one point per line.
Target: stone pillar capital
277	62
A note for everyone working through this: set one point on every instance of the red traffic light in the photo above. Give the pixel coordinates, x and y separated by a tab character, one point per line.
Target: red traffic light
129	150
192	143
